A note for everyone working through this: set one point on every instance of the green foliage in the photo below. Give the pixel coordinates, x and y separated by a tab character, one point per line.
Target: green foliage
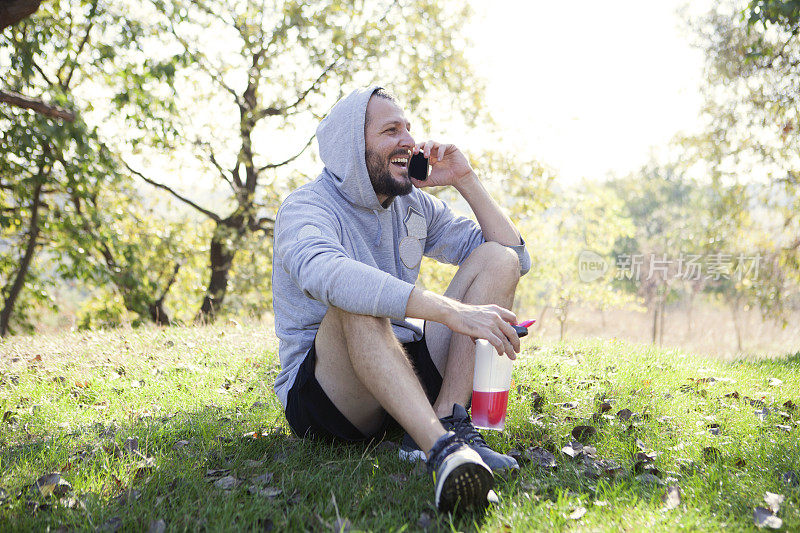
749	150
92	226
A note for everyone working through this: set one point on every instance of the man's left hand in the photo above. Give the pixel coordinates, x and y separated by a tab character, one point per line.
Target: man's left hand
448	166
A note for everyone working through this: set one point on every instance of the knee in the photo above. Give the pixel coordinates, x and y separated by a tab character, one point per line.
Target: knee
352	321
499	261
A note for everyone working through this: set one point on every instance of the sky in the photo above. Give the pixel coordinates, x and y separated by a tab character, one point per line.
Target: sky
587	87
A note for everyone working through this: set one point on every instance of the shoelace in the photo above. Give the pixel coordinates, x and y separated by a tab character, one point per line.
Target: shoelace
464	428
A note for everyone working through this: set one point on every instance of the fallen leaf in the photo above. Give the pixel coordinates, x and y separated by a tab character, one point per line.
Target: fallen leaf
263	479
764	518
157	526
53	484
600	503
518	456
609	467
583	433
604	407
775	382
342	525
216	473
537	402
540	457
672	498
111	525
648	479
577	514
131	444
711	454
265	492
253	435
645	467
774	501
624	414
227	483
740	463
569	405
791	478
572	449
425	521
179	445
734	395
645	457
790	406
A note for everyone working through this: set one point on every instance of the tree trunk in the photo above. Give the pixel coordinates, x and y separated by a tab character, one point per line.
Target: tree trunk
662	312
541	317
158	314
736	326
655	321
24	265
221	258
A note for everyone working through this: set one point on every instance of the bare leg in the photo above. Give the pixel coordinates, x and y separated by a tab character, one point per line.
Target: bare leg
488	276
363	369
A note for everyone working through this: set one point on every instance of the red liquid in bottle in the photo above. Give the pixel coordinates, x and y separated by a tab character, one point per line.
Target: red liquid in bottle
489	409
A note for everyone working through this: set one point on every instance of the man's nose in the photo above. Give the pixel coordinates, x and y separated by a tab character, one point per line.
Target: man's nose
407	141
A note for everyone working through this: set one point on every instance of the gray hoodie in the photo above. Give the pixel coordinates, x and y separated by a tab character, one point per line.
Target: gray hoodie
335	245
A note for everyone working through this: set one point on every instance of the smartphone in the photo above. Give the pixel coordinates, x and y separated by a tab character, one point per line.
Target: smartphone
418	167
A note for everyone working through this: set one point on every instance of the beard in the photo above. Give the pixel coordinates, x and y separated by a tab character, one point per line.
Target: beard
381	177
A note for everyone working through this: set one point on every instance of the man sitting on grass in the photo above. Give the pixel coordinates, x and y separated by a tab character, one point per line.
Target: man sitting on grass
347	253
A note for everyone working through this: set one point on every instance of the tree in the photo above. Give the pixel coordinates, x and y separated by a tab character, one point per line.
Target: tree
753	137
61	183
587	221
270	70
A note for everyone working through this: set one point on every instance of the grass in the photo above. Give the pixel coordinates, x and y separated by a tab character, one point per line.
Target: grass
198	404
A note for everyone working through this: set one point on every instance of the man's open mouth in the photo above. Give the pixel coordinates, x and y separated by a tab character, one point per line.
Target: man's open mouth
399	162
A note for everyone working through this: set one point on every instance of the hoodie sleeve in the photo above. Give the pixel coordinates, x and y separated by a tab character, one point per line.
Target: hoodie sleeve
308	246
452	238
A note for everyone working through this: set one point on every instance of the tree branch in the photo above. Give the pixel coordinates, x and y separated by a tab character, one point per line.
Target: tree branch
160	300
85	39
221	171
272	111
213	216
37	105
295	156
265	224
207	69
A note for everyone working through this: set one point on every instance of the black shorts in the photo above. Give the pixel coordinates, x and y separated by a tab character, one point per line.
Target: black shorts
312	414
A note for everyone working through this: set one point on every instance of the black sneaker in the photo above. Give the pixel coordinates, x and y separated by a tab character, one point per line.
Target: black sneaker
460	423
461	479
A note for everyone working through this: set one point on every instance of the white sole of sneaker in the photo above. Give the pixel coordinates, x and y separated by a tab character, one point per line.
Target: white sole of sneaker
462	483
412	456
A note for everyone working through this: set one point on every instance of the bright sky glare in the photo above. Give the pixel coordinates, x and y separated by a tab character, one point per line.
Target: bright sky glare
588	87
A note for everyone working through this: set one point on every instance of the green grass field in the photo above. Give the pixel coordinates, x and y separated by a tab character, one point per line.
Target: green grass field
178	429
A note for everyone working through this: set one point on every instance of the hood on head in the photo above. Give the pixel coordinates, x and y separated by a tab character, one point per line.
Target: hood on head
341	146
